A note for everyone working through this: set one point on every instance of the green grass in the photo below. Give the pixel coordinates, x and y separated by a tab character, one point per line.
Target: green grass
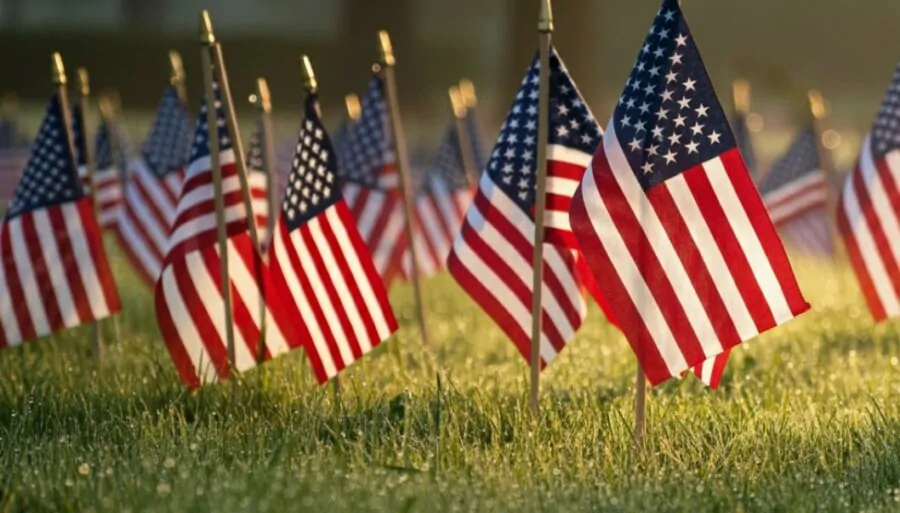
806	419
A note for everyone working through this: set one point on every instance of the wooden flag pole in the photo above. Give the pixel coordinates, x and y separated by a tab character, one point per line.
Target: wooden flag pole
826	159
640	405
84	96
208	41
545	29
462	135
263	101
386	67
354	110
177	78
108	117
310	86
470	101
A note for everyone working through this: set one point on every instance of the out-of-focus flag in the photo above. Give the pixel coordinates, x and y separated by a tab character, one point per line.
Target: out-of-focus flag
742	134
795	192
107	177
368	166
257	179
190	307
670	222
13	156
321	267
868	215
79	139
54	274
152	189
492	254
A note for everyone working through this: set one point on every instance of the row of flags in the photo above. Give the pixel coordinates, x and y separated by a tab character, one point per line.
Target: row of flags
656	218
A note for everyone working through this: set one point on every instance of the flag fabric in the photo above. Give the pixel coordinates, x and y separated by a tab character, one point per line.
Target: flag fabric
795	192
868	217
321	267
257	179
79	140
55	274
13	157
152	188
491	257
670	221
107	178
368	165
190	308
476	136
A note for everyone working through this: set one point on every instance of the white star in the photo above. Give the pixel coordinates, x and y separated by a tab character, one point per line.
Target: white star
675	58
684	103
654	71
510	153
689	84
626	121
697	129
563	110
649	89
644	108
692	147
679	121
527	156
636	144
532	110
667	95
635	85
630	103
674	139
639	126
663	34
714	137
529	141
657	133
681	40
586	139
640	66
670	157
647	167
574	124
662	113
701	111
653	149
562	131
669	15
507	168
658	53
646	48
531	125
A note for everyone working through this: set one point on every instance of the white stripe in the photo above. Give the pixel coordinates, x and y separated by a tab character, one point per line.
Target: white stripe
746	236
557	219
204	223
561	186
350	193
56	268
30	288
155	189
433	230
360	278
298	296
814	178
138	246
157	233
322	298
881	204
384	244
706	370
568	155
187	331
204	193
86	265
661	246
812	197
370	213
7	312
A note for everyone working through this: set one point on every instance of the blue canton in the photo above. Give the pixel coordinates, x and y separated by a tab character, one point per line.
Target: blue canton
103	154
886	132
312	185
78	136
168	145
364	146
513	164
255	151
200	147
801	159
669	119
50	178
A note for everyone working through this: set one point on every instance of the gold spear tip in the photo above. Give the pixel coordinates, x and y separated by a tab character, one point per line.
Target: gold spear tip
456	100
263	97
207	37
176	67
84	82
354	109
309	76
385	50
545	18
58	70
106	107
467	88
817	104
741	91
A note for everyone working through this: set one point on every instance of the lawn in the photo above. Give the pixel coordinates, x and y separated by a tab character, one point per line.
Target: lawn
806	419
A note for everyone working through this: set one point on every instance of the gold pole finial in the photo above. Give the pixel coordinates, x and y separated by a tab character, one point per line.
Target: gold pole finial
59	70
84	82
385	50
176	67
206	29
309	76
467	88
456	100
545	19
354	110
741	91
262	99
817	104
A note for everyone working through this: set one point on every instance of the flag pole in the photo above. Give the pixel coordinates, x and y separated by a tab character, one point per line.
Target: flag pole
545	29
177	77
470	101
386	68
262	99
207	42
353	107
84	94
819	113
310	86
462	134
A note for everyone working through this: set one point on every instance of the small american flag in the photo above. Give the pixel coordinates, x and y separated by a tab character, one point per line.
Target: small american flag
368	167
744	142
795	192
257	179
868	217
151	192
190	307
492	254
107	178
13	157
321	267
670	221
476	136
54	274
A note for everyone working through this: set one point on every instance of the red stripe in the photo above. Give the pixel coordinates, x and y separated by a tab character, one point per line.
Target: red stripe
14	285
130	253
625	311
67	254
562	169
562	238
257	270
286	309
206	207
41	273
161	213
765	231
171	194
201	318
359	202
98	256
855	255
174	344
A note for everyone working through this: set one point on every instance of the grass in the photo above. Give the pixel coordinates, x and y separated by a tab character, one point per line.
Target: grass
806	420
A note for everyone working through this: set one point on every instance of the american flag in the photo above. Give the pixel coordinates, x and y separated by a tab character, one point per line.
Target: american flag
79	139
107	177
795	192
670	221
13	157
744	142
492	254
190	307
368	167
868	218
476	136
321	267
54	274
151	191
257	179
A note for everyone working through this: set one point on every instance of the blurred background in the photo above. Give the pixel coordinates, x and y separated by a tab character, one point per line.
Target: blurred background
846	49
